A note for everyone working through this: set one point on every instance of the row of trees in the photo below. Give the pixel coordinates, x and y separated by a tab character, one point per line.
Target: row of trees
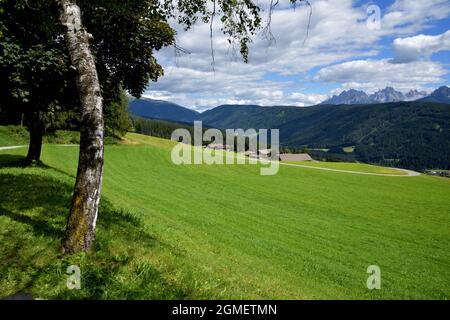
117	121
60	55
420	156
157	128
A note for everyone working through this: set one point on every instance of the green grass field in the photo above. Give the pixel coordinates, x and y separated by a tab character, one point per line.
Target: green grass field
356	167
13	136
349	149
215	231
18	135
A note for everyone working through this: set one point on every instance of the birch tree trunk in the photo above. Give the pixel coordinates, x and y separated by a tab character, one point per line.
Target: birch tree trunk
80	231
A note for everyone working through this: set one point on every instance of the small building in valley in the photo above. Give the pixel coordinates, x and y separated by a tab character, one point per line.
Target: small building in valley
251	154
218	146
265	153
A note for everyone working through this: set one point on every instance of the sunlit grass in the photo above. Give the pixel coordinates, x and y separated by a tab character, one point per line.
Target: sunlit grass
217	231
356	167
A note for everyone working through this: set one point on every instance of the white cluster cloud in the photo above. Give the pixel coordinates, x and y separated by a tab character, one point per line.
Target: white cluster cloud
338	32
420	46
374	74
205	89
406	16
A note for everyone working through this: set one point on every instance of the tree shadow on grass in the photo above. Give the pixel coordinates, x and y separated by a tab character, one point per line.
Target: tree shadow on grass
11	160
18	161
33	212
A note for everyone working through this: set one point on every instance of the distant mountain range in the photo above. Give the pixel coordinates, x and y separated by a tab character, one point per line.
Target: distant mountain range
441	95
388	94
412	134
162	110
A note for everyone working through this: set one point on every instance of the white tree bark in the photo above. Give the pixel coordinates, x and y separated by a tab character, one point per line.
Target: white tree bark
80	231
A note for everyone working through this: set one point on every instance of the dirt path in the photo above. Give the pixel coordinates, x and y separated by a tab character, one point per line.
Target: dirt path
12	147
17	147
409	173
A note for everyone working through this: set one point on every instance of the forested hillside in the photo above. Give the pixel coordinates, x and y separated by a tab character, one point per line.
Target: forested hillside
163	110
408	134
157	128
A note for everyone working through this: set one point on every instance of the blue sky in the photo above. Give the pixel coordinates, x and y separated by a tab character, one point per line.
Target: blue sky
407	46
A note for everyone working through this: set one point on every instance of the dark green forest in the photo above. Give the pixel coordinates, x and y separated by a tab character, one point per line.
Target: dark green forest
157	128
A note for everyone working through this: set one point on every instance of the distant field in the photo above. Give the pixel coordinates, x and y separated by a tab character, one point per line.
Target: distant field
13	136
134	138
357	167
349	149
214	231
17	135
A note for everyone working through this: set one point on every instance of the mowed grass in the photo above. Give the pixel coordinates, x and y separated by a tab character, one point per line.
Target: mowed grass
356	167
135	138
215	231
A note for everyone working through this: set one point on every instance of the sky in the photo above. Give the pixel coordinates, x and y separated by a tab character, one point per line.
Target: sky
359	44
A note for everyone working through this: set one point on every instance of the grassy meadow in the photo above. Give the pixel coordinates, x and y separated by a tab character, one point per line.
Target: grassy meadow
223	232
13	136
356	167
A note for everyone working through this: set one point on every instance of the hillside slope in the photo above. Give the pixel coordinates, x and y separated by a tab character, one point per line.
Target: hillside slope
223	232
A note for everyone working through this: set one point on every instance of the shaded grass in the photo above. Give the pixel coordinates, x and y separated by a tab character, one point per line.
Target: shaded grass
13	136
33	210
18	135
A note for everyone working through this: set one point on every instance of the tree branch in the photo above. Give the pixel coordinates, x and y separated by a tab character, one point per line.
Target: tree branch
309	20
211	35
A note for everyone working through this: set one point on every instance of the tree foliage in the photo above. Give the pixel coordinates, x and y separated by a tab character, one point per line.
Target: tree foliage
117	120
33	61
111	45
